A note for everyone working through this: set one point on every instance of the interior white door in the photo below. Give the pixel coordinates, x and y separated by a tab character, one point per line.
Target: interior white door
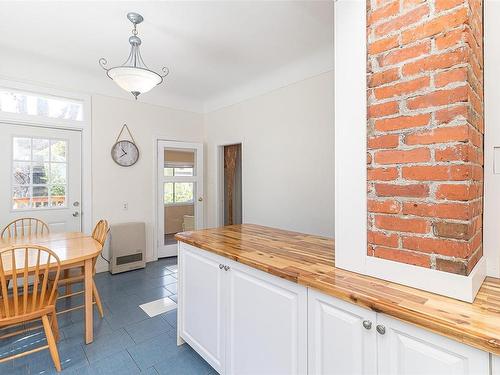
180	192
202	303
407	350
41	173
342	338
267	324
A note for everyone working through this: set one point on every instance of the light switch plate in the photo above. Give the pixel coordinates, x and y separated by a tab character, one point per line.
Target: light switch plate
496	160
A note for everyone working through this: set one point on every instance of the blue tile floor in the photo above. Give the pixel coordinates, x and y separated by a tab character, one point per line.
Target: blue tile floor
127	341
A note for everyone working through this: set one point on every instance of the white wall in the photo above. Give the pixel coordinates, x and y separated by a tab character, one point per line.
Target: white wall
113	185
287	156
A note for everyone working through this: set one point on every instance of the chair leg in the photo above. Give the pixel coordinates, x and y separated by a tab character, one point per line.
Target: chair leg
97	299
52	344
55	325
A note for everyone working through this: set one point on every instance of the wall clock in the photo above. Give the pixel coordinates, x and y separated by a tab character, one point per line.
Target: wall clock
125	153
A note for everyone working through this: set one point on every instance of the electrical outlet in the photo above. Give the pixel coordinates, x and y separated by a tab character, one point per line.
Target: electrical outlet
125	205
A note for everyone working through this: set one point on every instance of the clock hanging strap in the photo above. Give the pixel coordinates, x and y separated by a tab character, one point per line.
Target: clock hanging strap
129	133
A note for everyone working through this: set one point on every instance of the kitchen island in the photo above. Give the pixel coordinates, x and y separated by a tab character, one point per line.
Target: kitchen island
291	277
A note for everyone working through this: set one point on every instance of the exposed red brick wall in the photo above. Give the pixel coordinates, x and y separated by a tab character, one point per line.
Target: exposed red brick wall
425	132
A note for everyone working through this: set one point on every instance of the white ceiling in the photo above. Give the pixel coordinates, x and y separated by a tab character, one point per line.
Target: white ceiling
218	52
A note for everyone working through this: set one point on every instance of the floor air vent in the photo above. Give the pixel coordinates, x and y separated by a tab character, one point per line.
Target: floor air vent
127	247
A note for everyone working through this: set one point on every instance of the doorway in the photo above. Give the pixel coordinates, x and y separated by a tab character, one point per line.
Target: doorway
232	189
180	192
42	174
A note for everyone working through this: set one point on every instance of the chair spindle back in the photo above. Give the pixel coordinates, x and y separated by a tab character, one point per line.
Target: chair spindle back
27	267
24	226
100	231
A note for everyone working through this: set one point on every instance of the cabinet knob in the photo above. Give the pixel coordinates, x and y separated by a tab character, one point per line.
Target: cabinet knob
221	266
226	268
367	324
381	329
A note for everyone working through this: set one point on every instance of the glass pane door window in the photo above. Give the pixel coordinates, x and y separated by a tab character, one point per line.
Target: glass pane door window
172	171
178	193
39	173
178	209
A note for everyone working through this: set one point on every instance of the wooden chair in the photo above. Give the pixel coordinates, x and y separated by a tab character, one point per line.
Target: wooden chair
24	226
76	275
33	295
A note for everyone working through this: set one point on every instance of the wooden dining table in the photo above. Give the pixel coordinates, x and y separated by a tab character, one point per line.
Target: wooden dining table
74	249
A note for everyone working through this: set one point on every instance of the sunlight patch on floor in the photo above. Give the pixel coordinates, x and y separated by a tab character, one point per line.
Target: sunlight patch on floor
158	307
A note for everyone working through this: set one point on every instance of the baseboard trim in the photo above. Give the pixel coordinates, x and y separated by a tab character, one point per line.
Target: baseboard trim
101	267
447	284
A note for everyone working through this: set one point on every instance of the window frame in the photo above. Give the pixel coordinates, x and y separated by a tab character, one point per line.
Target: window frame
174	203
175	165
39	117
12	184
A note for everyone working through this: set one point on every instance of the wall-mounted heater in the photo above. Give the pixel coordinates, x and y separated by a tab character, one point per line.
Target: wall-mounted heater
127	247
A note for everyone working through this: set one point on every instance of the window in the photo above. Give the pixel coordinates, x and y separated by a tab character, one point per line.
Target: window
39	173
178	193
38	105
184	171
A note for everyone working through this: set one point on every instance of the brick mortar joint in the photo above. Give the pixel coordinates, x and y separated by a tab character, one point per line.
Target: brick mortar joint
419	93
376	68
431	16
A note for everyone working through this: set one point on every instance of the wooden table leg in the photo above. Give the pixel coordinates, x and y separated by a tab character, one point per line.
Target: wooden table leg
67	287
89	324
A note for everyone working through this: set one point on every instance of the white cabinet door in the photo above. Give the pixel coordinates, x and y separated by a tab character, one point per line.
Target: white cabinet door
342	339
267	324
405	349
202	304
495	364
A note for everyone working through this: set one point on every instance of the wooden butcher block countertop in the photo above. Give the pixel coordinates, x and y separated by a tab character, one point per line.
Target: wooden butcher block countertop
309	260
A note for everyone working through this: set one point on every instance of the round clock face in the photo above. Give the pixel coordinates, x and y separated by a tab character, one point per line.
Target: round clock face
125	153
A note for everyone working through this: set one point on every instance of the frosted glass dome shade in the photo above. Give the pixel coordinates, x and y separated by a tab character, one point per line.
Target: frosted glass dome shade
134	80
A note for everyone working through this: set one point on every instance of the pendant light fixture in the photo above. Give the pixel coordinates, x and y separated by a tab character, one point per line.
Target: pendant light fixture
133	75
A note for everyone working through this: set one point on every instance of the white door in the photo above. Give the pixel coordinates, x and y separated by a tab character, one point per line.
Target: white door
342	338
267	324
41	175
405	349
180	192
202	304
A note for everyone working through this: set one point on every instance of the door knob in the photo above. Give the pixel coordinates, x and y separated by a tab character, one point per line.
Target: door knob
76	214
381	329
76	204
200	199
367	324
